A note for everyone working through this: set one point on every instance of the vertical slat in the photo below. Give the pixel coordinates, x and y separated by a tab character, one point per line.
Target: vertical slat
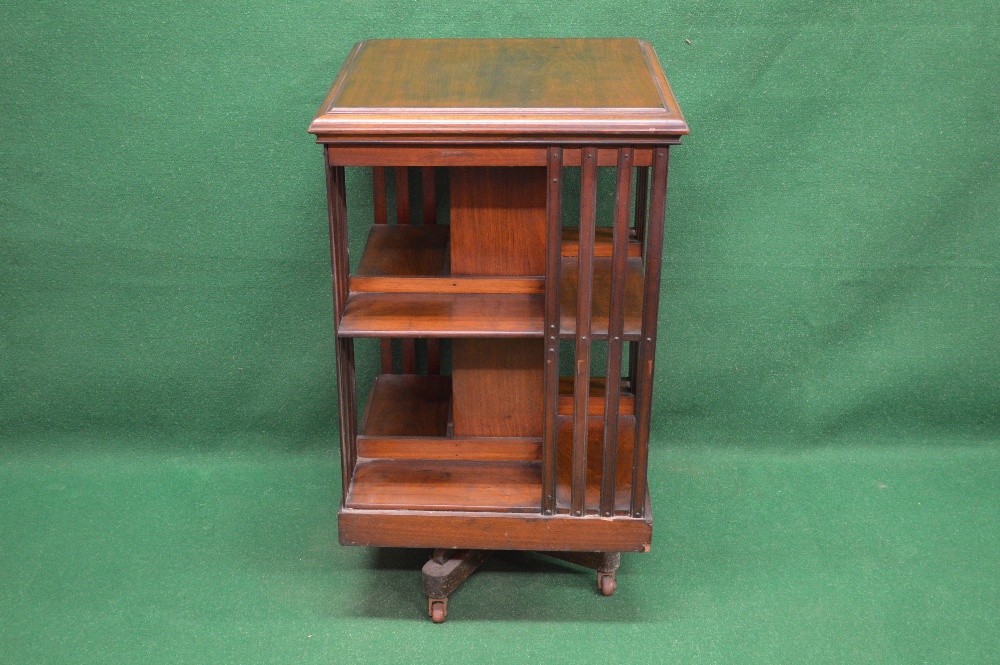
553	252
641	210
341	267
430	217
616	319
427	187
633	364
378	194
647	344
379	209
402	174
585	284
641	203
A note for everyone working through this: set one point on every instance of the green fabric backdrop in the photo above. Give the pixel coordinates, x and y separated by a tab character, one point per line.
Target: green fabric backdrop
824	459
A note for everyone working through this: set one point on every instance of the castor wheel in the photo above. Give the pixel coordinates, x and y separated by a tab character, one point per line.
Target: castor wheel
438	609
606	583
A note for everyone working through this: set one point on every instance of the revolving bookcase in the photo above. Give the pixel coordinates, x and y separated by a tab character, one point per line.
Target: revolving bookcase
502	452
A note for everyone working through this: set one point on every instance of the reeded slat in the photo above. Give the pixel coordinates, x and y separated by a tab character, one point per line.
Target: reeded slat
641	210
402	175
641	202
647	343
430	217
553	252
379	209
616	316
585	279
430	201
378	195
340	265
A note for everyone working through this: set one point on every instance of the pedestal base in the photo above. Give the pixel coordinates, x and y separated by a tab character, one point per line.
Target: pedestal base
447	569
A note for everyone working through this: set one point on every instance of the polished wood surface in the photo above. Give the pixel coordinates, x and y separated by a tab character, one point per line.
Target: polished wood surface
497	385
499	88
499	73
407	405
445	485
497	221
470	449
502	451
494	531
498	227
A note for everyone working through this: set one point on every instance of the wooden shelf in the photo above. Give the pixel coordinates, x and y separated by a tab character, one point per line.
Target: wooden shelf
439	485
401	290
441	315
407	461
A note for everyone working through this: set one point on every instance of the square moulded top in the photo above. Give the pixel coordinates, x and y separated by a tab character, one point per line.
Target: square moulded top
501	89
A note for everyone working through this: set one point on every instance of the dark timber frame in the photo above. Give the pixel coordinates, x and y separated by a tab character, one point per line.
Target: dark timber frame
502	452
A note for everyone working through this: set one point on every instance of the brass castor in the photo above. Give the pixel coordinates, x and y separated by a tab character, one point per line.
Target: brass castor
606	583
437	608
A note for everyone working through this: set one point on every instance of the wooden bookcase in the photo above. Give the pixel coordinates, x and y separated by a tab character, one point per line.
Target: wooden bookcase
503	452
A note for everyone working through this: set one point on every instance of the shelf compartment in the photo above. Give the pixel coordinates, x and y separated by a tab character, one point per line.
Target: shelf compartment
402	289
407	405
446	485
405	250
491	314
407	418
595	404
595	460
442	315
409	250
471	449
601	302
603	236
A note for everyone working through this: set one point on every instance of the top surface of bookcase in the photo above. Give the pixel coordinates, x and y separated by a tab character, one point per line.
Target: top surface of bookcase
500	88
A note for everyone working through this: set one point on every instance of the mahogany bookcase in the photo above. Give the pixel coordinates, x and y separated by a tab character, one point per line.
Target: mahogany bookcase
503	453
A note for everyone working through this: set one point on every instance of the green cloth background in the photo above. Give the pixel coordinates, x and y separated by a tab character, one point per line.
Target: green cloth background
825	461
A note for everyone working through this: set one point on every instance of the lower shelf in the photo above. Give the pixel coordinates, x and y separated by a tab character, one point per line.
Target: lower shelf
408	461
446	485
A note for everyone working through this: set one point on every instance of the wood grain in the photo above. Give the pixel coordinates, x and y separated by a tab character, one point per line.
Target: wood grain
498	221
445	485
410	528
497	386
407	405
500	88
464	154
442	315
470	449
405	251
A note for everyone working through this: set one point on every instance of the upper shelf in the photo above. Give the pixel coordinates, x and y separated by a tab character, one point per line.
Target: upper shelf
402	289
500	89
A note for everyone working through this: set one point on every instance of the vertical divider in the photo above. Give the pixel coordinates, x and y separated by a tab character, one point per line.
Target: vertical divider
641	203
647	344
616	318
585	283
427	187
402	174
641	215
553	258
381	217
430	217
341	268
